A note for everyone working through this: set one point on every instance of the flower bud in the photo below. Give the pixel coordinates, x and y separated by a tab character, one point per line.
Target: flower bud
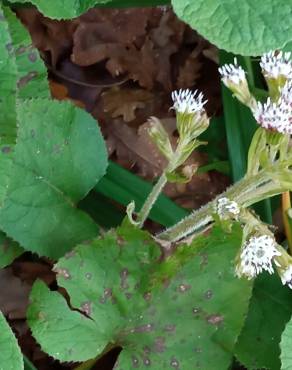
233	77
159	135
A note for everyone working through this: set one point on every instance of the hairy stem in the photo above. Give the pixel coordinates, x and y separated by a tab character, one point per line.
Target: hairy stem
151	199
286	204
247	191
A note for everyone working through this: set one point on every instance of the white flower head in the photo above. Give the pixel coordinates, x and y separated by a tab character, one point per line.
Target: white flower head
256	255
233	77
187	101
275	116
286	276
276	64
232	74
226	209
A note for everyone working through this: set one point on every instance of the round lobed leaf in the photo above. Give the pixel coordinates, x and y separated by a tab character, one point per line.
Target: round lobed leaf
183	313
56	162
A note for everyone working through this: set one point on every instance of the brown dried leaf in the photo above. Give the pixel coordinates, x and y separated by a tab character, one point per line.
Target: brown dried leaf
124	102
136	149
30	271
190	71
107	33
47	34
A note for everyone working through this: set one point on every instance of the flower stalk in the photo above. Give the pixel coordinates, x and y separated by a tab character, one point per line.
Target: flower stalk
191	122
245	192
286	205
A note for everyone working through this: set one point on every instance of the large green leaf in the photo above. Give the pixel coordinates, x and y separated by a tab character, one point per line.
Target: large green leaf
60	155
62	9
185	313
243	27
270	309
286	346
10	355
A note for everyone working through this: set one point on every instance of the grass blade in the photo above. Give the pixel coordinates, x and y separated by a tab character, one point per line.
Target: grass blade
123	187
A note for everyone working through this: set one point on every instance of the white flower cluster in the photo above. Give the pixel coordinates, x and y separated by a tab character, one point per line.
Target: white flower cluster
286	277
256	256
227	209
275	64
186	101
275	116
232	74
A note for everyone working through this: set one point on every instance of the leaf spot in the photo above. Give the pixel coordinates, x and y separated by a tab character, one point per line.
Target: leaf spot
120	241
9	47
204	259
135	362
196	310
183	288
124	275
107	293
170	328
215	319
32	56
209	294
20	50
26	79
159	344
128	295
143	328
62	273
86	308
147	296
6	149
88	275
174	363
146	350
146	361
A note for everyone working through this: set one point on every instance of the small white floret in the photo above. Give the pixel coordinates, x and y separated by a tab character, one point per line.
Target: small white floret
274	116
256	255
232	74
227	208
187	101
275	64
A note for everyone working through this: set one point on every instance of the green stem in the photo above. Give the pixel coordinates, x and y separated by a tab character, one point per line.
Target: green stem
250	74
152	197
286	205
